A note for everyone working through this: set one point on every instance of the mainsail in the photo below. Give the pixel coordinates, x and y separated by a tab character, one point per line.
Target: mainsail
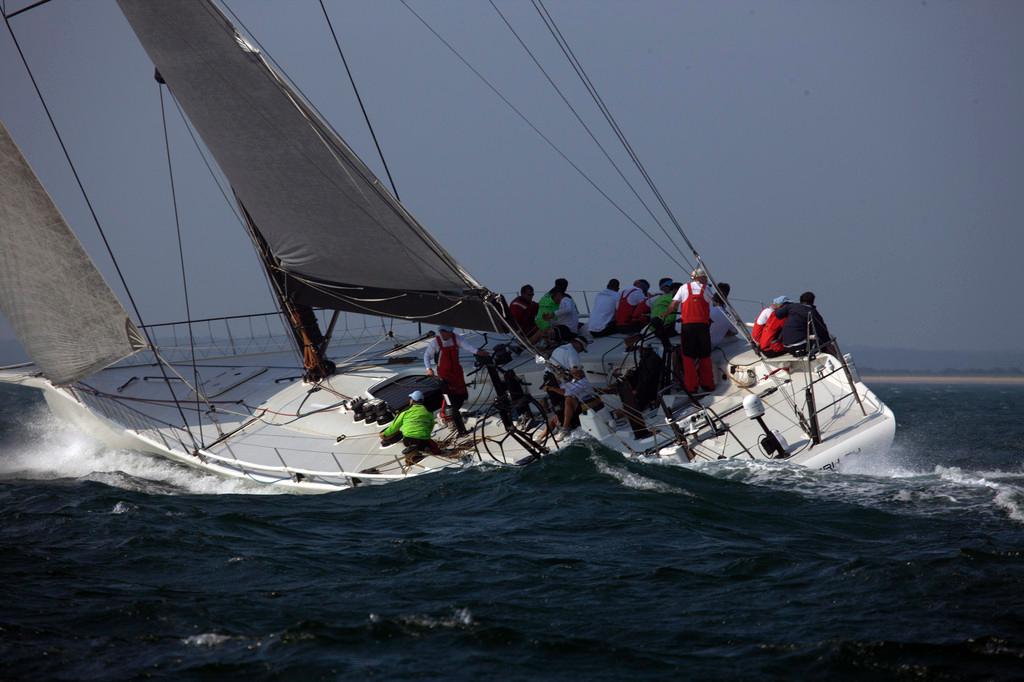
64	314
339	237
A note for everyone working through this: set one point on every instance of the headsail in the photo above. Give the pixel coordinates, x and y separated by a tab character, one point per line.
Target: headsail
341	238
64	314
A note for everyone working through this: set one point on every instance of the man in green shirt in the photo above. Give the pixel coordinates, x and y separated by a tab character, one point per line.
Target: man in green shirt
413	426
547	305
659	307
663	323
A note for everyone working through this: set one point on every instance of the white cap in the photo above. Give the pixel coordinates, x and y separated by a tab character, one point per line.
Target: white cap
417	396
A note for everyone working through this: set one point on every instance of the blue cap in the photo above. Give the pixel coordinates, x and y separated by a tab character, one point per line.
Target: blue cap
417	396
444	328
779	300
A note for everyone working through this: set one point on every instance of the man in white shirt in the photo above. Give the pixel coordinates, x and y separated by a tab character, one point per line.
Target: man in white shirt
693	301
570	387
567	316
445	346
567	356
602	313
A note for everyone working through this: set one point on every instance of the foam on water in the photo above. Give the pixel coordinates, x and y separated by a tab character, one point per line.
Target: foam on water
633	480
123	508
207	639
50	448
458	618
887	481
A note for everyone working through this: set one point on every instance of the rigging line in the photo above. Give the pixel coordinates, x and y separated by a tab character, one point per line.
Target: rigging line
593	137
181	257
581	72
359	98
23	9
202	155
542	135
571	56
95	218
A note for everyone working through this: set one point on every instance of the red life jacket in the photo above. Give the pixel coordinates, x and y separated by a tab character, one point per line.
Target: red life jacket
771	334
641	311
695	308
759	325
448	366
523	312
625	312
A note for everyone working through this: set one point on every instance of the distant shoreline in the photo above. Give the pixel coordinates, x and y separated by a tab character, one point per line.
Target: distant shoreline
992	380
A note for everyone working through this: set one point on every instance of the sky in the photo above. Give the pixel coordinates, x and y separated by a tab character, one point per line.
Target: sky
869	151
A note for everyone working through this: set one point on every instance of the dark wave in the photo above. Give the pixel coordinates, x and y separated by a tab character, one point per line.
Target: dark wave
587	565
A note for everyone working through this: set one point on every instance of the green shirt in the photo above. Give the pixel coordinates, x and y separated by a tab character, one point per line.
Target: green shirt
415	421
659	308
545	305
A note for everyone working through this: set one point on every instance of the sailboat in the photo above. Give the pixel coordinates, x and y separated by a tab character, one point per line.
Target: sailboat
291	399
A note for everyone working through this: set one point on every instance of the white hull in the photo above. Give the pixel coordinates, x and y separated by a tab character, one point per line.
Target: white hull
248	425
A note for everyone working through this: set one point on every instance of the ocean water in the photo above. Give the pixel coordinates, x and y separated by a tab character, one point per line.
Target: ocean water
586	566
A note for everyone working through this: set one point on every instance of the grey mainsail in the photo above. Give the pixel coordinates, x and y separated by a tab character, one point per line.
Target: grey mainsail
342	239
63	313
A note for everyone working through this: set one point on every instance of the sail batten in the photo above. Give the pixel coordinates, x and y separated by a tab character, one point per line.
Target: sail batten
61	309
323	213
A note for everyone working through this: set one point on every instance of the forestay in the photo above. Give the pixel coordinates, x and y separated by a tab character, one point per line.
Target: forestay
64	314
341	238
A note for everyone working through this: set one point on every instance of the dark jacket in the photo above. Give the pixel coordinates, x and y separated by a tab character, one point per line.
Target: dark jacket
794	330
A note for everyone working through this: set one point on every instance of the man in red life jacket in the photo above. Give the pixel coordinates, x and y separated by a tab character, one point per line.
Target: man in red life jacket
446	347
693	300
767	327
633	312
524	311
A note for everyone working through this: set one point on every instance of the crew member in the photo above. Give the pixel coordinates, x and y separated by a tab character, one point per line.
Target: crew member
762	317
567	384
446	347
693	300
566	320
523	310
771	334
547	306
632	311
803	318
602	314
413	426
661	318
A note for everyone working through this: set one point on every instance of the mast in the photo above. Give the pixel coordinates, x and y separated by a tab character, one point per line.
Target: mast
300	317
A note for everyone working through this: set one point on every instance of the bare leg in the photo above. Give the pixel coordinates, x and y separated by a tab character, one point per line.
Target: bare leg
570	410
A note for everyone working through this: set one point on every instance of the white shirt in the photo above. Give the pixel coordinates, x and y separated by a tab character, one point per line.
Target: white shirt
434	347
566	357
762	318
568	314
721	326
695	287
605	303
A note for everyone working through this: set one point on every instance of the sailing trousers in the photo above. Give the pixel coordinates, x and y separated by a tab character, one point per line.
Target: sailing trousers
418	443
457	401
696	353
